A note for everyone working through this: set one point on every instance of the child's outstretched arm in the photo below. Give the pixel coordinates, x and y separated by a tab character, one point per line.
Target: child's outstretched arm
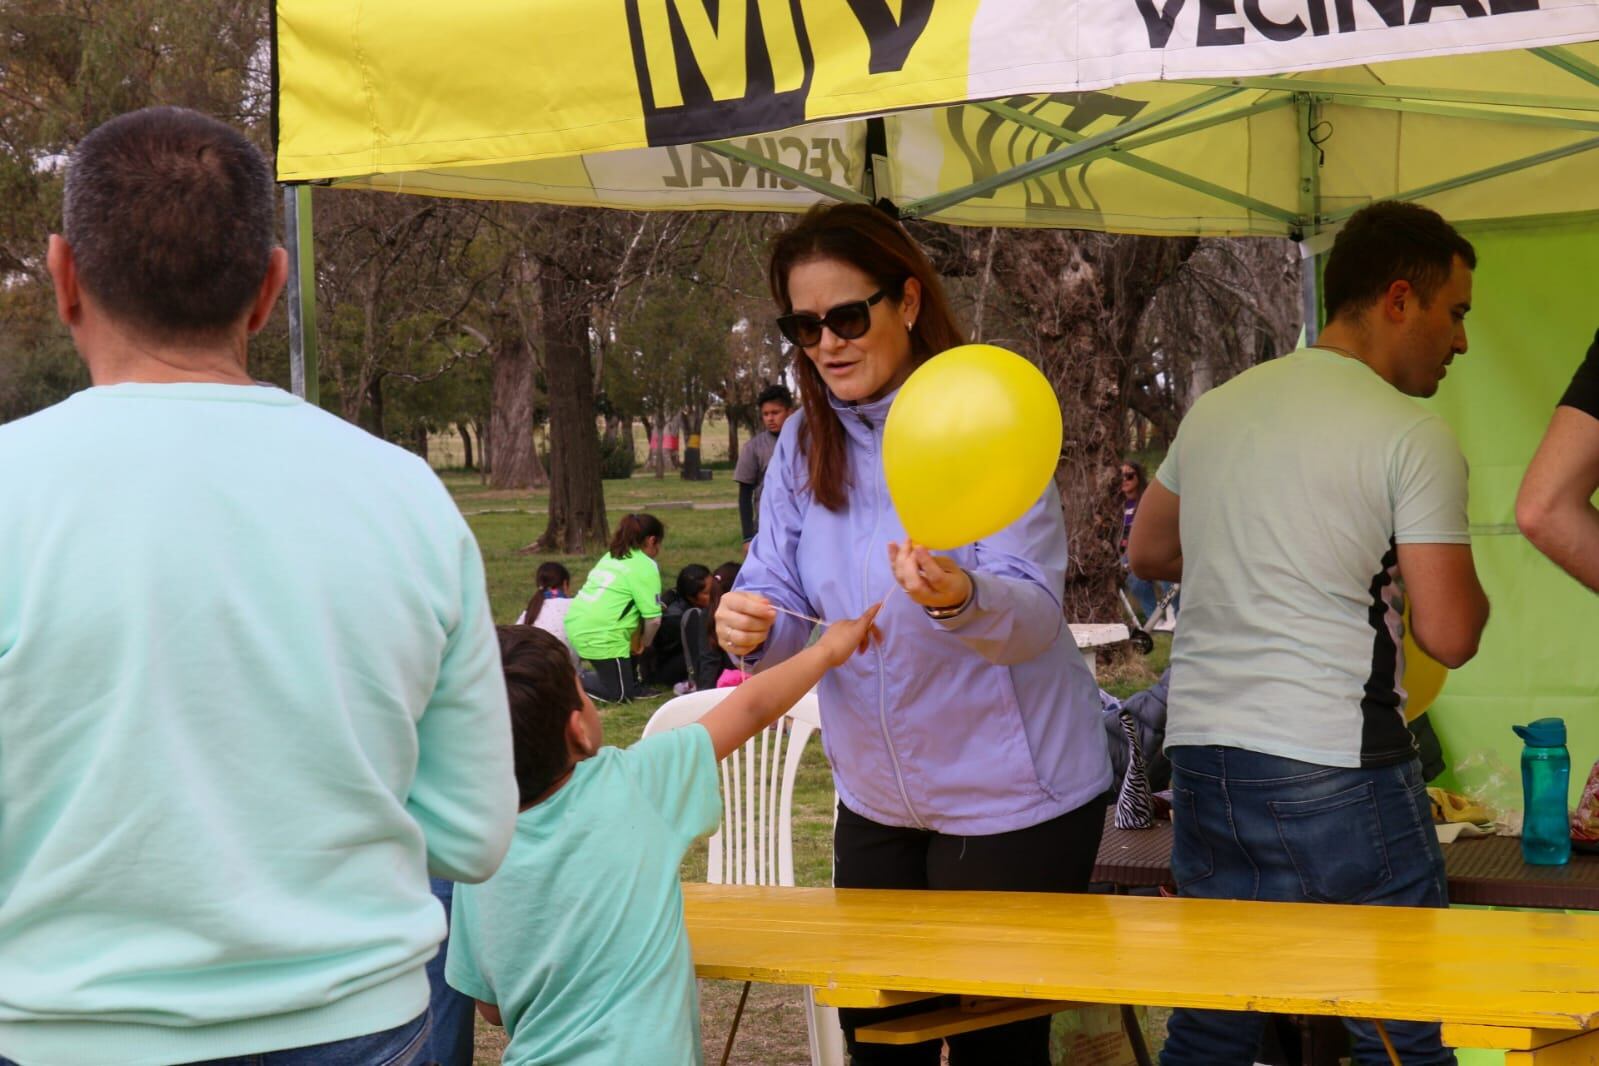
764	698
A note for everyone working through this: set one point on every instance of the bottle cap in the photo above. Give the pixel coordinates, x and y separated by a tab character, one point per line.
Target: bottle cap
1544	733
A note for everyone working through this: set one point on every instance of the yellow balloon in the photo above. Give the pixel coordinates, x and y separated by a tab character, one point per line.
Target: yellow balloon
1424	676
972	439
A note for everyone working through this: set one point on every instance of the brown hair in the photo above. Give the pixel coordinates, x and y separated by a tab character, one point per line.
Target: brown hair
541	684
632	531
551	575
722	579
1389	241
878	246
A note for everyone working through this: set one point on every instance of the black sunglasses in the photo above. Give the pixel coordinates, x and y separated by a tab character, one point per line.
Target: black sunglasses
847	321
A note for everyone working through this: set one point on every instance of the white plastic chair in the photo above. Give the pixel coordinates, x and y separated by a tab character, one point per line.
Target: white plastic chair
755	845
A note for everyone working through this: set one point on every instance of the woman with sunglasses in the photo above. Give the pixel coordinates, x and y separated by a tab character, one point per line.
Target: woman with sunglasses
966	746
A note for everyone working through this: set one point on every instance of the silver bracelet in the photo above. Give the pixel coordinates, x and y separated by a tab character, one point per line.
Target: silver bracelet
944	614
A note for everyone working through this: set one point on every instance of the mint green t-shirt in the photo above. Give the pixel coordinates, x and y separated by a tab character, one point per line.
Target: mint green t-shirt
250	695
1297	480
579	938
616	597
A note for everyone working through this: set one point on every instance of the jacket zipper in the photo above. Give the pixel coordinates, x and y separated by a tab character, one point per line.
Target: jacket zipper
882	680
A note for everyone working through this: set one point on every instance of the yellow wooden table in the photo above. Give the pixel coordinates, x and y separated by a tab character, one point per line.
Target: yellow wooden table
1527	982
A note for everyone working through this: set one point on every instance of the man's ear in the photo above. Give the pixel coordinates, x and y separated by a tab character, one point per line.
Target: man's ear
578	742
267	295
63	266
1399	298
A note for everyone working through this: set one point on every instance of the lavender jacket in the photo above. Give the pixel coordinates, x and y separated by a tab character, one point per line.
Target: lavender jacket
982	724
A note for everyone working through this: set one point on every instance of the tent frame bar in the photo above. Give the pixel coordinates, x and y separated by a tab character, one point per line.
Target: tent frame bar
1307	116
304	374
1482	175
1570	62
1271	103
1064	157
1339	90
1119	154
728	150
1476	114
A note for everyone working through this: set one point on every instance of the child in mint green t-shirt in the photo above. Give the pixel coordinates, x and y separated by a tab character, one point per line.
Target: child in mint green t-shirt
577	945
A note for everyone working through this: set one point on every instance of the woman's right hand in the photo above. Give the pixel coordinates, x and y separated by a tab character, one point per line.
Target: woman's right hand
743	619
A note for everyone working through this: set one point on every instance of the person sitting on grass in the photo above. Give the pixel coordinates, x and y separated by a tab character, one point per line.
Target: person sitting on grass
617	611
664	661
577	945
550	602
715	668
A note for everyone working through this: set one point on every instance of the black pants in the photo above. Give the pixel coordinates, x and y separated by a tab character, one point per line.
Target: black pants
611	680
1054	856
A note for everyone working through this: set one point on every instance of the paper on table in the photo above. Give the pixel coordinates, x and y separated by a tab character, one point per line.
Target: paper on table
1449	832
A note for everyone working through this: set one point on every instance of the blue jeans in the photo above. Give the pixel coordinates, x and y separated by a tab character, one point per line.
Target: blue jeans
400	1046
1253	826
1143	596
450	1039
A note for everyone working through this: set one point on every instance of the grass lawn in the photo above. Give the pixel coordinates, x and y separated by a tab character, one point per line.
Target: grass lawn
701	520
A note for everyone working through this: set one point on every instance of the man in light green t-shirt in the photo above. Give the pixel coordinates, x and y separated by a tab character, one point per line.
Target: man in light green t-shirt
616	612
1300	505
249	690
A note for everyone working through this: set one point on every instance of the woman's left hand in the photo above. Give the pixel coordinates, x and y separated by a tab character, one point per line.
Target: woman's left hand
930	580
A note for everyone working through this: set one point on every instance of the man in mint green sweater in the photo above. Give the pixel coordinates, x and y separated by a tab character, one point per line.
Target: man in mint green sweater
250	693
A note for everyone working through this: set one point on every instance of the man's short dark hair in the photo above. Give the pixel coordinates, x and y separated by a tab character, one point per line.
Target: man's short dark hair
170	217
542	686
1390	241
775	394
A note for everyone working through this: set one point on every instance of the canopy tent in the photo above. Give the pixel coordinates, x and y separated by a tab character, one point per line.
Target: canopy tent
1215	117
1144	116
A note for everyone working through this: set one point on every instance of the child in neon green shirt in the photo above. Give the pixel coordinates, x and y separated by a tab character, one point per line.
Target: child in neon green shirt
577	945
618	609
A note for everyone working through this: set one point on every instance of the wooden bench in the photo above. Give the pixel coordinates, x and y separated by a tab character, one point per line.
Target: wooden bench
1527	983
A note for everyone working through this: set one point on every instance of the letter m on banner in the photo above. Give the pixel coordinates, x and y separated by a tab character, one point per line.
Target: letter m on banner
709	69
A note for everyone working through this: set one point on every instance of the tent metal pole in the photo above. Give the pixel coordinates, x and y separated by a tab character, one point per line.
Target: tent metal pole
1060	159
1117	154
1473	114
1308	112
732	151
1475	176
303	370
1569	62
1336	90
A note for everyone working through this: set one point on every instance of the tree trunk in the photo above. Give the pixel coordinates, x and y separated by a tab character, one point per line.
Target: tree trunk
374	407
466	443
513	464
732	439
626	433
693	422
658	444
480	426
419	440
577	495
1084	297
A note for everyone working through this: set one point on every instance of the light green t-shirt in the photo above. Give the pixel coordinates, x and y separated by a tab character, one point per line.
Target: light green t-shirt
579	938
249	696
1297	480
618	595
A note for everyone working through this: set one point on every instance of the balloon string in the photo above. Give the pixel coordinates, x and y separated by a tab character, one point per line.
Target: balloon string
739	659
796	614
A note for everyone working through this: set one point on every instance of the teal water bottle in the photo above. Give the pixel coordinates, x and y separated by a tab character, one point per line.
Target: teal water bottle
1545	782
